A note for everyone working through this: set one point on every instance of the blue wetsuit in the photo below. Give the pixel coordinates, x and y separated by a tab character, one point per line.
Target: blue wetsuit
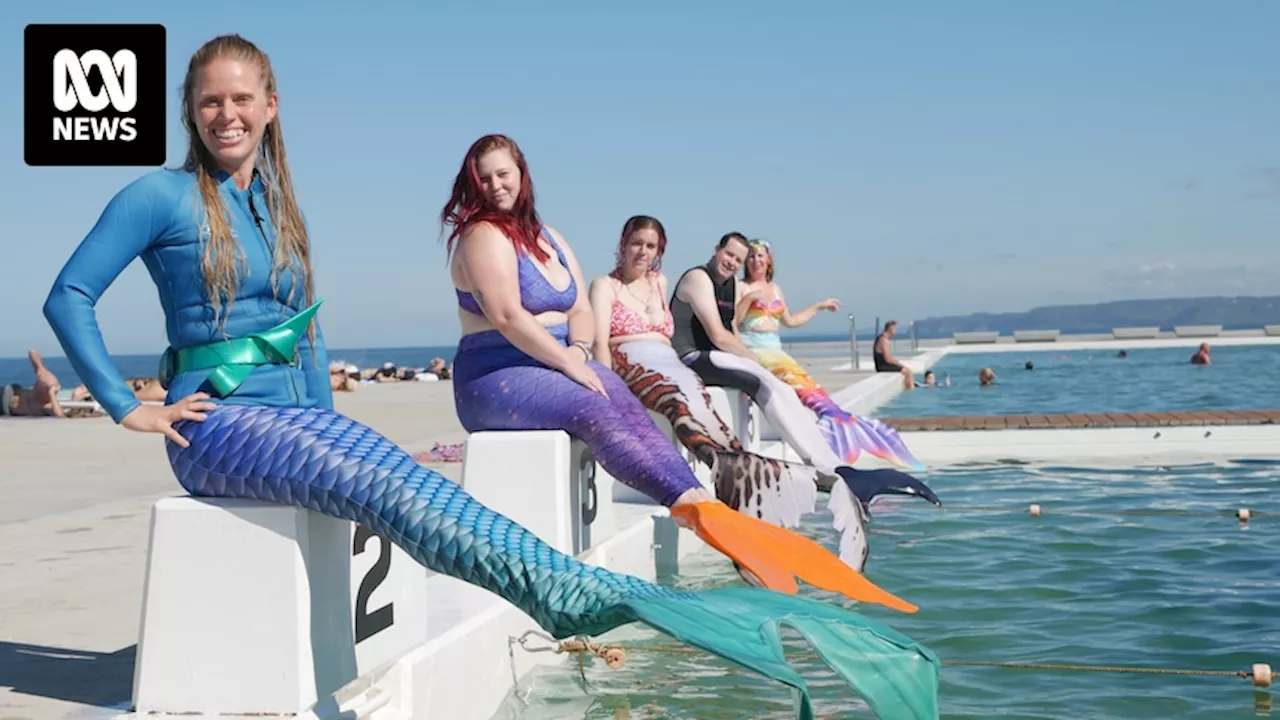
275	438
152	218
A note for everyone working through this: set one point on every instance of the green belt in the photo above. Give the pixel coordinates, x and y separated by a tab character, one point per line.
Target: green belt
232	361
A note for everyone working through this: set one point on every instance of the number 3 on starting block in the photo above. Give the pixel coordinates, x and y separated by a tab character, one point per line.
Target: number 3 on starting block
388	600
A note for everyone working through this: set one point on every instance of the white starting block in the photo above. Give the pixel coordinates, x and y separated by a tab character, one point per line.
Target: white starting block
261	608
544	480
737	409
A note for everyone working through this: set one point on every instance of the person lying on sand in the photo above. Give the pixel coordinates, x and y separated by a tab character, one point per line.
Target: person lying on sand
44	398
38	400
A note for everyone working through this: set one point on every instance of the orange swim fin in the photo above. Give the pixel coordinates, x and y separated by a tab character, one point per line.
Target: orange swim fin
776	555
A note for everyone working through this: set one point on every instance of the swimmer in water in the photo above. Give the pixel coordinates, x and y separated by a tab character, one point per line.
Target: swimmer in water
931	380
264	428
1201	357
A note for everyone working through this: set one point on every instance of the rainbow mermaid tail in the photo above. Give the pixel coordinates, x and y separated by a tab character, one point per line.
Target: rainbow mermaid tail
326	462
850	435
847	434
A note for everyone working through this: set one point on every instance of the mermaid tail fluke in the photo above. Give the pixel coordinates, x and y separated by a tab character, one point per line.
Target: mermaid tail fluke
326	462
851	435
777	556
850	506
896	676
870	485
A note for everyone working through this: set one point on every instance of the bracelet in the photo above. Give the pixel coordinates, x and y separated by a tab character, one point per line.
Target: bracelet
585	347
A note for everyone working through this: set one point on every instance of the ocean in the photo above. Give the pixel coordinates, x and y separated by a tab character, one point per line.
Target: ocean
18	369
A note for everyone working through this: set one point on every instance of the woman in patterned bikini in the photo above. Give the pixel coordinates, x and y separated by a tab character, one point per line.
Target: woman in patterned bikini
630	310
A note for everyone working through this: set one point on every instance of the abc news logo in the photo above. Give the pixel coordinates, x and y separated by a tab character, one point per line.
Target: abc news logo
94	95
71	90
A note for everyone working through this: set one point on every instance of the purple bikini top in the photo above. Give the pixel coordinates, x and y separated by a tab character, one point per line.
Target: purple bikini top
536	294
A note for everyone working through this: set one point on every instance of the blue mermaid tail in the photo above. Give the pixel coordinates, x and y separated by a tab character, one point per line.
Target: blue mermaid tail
326	462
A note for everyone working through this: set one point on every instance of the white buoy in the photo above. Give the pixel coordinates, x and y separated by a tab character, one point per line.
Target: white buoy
1035	511
1243	514
615	657
1261	674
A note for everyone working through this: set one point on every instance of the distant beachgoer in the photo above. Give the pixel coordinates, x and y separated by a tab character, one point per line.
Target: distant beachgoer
1202	355
340	380
146	389
439	369
1029	366
760	312
986	376
40	399
882	354
387	373
1122	354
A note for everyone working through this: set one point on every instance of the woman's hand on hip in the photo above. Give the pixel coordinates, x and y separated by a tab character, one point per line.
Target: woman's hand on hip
160	418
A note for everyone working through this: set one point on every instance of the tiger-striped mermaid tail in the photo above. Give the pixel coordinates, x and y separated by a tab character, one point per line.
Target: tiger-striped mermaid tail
328	463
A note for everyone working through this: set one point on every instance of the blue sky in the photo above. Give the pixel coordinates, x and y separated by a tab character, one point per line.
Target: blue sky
912	159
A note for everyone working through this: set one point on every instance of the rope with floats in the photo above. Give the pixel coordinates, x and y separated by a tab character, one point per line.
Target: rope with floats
1244	515
615	656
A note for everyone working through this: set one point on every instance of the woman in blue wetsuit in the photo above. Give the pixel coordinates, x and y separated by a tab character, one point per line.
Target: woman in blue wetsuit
249	415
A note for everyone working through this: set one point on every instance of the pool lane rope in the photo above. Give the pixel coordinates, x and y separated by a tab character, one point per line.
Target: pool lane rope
1244	515
615	656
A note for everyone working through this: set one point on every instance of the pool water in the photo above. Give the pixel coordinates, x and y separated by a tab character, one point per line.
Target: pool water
1242	377
1191	589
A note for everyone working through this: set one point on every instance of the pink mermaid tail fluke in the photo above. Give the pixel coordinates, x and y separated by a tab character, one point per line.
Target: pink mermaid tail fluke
851	435
846	434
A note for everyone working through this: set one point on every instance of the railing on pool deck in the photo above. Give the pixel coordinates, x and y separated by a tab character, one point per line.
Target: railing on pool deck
291	612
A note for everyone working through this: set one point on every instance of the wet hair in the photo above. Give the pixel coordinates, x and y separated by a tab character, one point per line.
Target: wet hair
633	224
768	270
223	256
468	206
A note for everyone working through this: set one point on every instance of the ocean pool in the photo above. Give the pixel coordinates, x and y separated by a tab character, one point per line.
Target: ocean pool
1189	589
1242	377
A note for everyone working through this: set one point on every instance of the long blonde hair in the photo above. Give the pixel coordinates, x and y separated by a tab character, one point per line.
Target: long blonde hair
223	258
